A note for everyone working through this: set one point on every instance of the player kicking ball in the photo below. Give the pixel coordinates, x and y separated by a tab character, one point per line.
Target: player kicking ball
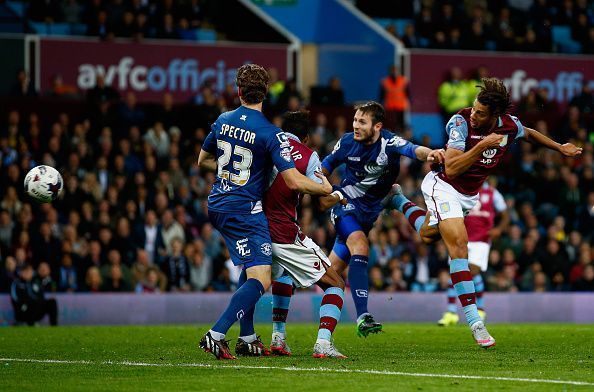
296	258
371	155
242	148
479	225
478	139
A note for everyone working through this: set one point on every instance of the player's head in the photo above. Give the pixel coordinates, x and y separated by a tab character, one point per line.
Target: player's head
368	122
252	83
297	123
491	102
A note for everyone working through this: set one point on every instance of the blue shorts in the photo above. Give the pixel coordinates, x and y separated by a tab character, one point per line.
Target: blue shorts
347	219
246	235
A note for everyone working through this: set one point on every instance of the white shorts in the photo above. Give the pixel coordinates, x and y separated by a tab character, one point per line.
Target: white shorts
478	254
443	201
304	261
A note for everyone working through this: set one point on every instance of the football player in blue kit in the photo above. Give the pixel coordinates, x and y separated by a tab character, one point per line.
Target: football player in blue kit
242	147
372	158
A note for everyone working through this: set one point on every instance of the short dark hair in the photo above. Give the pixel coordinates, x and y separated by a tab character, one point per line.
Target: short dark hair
297	123
253	80
375	110
494	95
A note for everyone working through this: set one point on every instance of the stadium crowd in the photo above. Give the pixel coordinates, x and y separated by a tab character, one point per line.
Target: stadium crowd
504	25
508	25
133	213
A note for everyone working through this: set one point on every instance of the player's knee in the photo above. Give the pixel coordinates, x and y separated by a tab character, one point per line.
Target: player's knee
459	249
359	245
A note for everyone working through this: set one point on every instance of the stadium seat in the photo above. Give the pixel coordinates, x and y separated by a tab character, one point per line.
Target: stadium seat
430	124
17	7
563	41
206	35
42	28
399	24
78	29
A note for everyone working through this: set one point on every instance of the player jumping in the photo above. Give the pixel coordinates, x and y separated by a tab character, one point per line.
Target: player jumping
479	225
478	139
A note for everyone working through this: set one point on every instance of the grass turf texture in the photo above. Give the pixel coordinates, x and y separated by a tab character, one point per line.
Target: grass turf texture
532	351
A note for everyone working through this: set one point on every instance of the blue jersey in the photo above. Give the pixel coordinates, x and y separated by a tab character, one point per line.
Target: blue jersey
370	169
247	147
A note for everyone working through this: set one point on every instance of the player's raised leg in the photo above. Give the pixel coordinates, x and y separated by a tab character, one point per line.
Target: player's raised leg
455	237
282	290
416	216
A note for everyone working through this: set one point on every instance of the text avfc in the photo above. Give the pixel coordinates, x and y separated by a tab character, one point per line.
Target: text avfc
238	133
178	75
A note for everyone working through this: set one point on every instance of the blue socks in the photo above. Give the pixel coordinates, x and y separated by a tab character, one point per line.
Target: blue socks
413	213
242	302
246	324
359	282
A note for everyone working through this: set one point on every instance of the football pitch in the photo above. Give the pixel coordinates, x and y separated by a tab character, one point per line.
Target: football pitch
424	357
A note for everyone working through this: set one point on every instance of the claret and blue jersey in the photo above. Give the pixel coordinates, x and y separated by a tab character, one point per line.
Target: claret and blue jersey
370	169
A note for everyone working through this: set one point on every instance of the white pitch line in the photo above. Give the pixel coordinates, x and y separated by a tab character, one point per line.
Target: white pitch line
298	369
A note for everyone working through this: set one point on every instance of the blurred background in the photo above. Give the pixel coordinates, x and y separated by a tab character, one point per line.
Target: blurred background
118	95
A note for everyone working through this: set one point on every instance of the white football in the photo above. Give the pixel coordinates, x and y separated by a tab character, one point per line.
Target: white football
44	184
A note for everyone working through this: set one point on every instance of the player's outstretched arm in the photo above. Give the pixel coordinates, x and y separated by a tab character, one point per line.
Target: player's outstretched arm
567	149
426	154
207	161
300	183
457	162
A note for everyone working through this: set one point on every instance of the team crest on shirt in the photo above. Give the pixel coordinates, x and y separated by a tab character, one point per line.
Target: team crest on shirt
503	141
455	135
444	208
266	249
382	159
286	154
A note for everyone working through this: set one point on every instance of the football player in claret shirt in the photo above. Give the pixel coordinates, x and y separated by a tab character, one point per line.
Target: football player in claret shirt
371	155
242	147
478	138
479	223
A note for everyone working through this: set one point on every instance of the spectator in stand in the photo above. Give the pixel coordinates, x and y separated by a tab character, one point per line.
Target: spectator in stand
453	94
410	39
150	283
177	268
114	281
28	299
394	97
23	87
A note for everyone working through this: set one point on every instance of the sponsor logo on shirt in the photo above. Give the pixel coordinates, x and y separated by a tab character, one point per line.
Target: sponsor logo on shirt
242	247
490	153
355	159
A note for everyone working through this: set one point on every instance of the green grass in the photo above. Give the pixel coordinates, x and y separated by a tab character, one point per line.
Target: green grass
544	352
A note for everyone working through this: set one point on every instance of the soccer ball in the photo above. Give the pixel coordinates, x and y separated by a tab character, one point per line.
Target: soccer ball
43	184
